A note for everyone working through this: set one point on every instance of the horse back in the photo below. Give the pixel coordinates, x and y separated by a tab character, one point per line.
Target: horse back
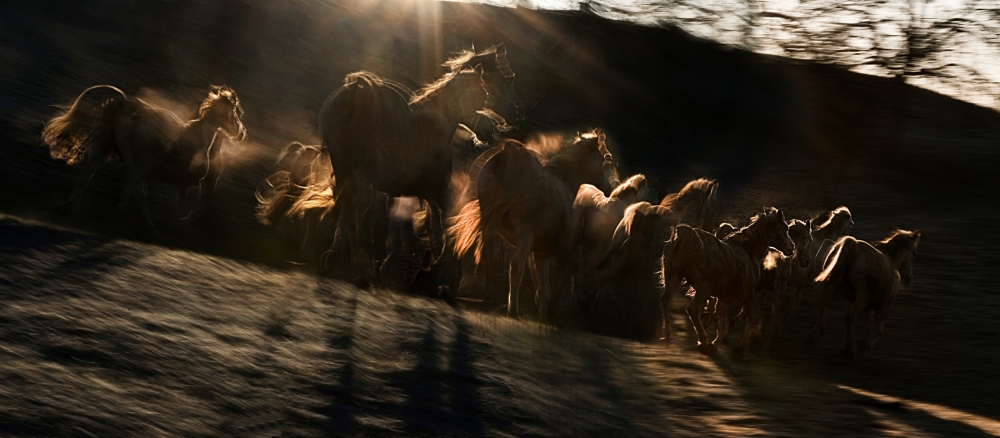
720	267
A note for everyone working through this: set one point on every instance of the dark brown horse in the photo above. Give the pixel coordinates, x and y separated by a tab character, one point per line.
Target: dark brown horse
153	143
869	276
530	205
627	289
728	270
383	137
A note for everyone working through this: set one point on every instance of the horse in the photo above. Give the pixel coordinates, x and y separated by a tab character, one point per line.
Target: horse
778	269
153	143
728	270
632	276
529	205
599	216
837	224
695	204
867	275
384	137
299	195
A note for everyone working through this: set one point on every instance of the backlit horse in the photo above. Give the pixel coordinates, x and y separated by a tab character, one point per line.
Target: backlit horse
728	270
869	276
153	143
695	204
530	205
383	137
631	278
600	215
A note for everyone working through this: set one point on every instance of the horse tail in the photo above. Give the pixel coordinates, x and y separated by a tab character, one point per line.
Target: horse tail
70	134
836	266
474	217
465	230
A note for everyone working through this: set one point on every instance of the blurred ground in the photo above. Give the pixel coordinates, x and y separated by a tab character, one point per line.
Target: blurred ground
208	334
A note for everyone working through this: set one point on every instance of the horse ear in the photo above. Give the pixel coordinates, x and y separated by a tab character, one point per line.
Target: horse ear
601	136
473	47
478	69
500	50
916	237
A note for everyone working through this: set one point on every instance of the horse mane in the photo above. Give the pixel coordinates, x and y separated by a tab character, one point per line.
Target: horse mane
634	183
570	154
691	191
456	65
824	228
590	196
220	93
898	241
750	235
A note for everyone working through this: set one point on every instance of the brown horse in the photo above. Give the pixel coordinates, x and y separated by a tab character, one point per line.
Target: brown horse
631	278
778	270
728	270
153	143
868	276
838	223
695	204
383	137
530	205
599	216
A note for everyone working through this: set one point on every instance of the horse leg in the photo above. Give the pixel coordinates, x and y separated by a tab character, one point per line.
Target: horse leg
850	317
144	208
517	263
693	309
823	296
722	328
543	293
877	329
90	168
671	286
515	274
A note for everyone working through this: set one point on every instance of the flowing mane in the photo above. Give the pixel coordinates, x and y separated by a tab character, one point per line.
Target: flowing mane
756	233
635	185
456	64
897	241
835	224
691	191
219	94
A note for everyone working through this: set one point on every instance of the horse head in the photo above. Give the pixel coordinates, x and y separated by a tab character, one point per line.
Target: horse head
901	247
801	234
592	160
222	108
774	221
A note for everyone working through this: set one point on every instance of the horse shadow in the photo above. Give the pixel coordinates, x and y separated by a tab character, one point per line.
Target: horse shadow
440	390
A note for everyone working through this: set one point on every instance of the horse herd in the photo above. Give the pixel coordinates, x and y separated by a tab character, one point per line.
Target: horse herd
376	203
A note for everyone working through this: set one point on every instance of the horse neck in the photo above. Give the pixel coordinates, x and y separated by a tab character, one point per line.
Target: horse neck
892	252
200	134
751	241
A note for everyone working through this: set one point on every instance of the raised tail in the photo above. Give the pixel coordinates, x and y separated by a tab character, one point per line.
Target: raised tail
70	134
835	267
465	232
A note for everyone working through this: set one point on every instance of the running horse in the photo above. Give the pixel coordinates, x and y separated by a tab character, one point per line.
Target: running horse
383	137
529	205
153	143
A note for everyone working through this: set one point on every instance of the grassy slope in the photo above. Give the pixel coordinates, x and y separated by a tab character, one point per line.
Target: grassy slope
104	337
